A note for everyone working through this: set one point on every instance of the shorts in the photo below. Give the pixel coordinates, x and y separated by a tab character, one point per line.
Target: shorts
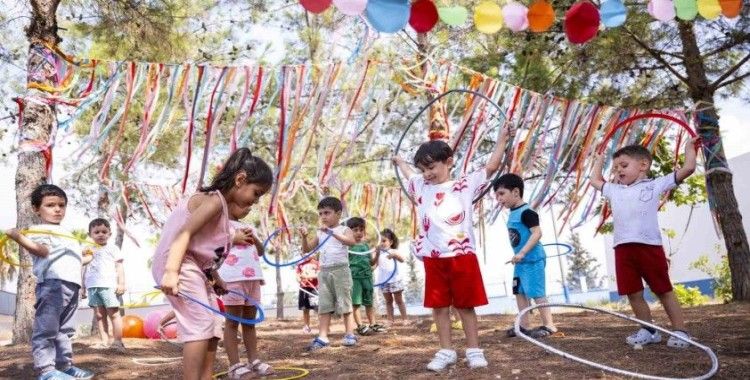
335	290
250	288
635	262
528	279
362	291
392	287
103	297
453	281
306	300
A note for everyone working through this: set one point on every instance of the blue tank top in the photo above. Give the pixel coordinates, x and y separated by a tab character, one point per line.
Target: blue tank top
519	234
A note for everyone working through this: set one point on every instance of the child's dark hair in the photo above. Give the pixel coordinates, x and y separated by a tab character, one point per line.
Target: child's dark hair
355	222
634	151
99	222
432	151
242	160
46	190
509	181
330	202
390	235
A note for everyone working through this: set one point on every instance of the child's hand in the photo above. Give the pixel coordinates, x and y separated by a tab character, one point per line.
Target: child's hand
13	233
120	290
599	157
694	143
244	236
397	160
302	231
220	287
517	258
87	251
169	283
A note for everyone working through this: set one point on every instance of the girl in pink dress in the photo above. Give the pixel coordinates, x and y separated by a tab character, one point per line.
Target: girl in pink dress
194	241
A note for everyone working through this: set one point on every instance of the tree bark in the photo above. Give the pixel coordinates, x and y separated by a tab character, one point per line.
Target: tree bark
37	121
279	293
718	177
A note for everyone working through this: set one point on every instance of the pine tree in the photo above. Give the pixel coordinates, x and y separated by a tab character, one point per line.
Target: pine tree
582	264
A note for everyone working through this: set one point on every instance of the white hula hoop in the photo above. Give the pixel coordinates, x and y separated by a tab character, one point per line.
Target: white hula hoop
154	361
371	250
711	354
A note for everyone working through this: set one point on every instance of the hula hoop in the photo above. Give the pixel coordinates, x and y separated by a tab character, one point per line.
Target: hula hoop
5	240
301	259
369	251
395	269
568	246
421	111
261	315
711	354
153	361
302	373
631	119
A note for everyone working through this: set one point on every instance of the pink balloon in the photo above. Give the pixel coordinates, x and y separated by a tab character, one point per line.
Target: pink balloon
662	10
350	7
170	332
515	16
151	324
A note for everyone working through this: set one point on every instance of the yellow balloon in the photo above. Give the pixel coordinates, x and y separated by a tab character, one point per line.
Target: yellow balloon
709	9
488	17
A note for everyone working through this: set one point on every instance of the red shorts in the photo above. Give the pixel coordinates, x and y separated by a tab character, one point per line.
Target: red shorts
454	281
635	261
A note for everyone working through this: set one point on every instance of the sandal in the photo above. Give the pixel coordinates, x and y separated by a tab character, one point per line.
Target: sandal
239	372
260	368
378	327
364	330
511	332
541	332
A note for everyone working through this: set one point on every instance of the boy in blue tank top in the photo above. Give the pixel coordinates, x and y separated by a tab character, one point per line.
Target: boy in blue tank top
529	259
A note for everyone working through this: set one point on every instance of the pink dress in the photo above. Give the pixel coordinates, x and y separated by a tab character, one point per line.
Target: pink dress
206	248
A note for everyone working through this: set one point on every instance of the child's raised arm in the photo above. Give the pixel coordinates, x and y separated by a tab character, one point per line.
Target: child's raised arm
497	155
686	170
403	166
597	180
347	238
307	246
34	248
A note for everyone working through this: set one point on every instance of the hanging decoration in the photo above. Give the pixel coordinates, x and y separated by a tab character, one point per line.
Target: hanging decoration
541	16
581	22
453	16
515	16
388	16
686	9
350	7
613	13
662	10
709	9
424	16
730	8
488	17
315	6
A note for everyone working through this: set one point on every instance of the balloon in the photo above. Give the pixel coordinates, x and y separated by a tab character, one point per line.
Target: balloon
581	22
662	10
170	331
613	13
151	324
541	16
388	16
730	8
424	16
515	16
453	16
709	9
350	7
686	9
315	6
488	17
132	327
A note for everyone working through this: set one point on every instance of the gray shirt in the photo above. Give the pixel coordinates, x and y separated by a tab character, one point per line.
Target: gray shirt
64	259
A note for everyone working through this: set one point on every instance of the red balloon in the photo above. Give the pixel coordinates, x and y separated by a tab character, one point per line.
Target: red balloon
315	6
582	22
132	327
424	16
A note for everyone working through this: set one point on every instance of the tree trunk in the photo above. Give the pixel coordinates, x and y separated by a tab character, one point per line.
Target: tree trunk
718	177
37	121
279	294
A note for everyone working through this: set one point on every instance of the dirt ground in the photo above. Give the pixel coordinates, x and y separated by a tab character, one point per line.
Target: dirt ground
403	351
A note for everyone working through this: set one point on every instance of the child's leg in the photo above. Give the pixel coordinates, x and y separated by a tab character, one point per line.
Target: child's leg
639	306
546	313
101	322
249	336
469	320
63	341
349	324
230	334
442	318
114	317
210	358
399	297
389	306
324	324
455	315
193	357
522	302
673	309
306	316
370	315
357	317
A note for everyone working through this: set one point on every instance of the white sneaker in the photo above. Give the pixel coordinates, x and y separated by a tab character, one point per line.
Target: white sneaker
643	337
442	360
475	358
678	343
307	329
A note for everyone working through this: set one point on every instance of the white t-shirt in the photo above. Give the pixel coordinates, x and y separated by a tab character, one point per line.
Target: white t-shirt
385	269
634	209
333	252
64	259
242	263
101	271
445	215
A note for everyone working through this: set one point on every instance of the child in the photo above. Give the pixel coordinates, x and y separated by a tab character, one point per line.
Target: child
307	277
393	289
57	268
196	236
529	259
446	243
635	200
105	279
242	273
360	263
335	278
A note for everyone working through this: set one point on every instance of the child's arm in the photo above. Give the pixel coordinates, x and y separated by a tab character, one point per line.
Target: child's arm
307	246
88	256
120	278
597	180
34	248
690	156
403	166
347	238
536	235
393	254
497	155
205	212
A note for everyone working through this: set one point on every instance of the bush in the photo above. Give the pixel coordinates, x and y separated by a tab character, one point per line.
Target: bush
691	296
720	272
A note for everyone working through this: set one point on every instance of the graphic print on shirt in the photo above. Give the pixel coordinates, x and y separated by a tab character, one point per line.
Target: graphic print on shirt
461	247
456	219
514	236
461	184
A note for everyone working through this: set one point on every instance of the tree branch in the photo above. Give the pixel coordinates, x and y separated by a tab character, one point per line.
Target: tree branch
735	79
716	84
656	56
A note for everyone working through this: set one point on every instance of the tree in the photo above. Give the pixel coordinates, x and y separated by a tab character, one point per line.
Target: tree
582	265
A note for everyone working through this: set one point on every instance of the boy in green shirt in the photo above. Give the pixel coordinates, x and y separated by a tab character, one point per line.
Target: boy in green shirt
361	259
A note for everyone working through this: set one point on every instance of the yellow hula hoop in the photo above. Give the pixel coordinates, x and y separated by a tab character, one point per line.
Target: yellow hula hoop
5	240
302	373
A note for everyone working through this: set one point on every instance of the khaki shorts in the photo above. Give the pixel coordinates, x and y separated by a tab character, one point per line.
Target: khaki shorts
335	290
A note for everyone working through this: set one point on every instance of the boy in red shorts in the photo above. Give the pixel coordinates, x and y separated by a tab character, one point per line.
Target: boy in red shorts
639	255
446	243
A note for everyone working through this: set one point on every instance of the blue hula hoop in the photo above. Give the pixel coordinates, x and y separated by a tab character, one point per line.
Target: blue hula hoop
568	246
395	268
261	315
301	259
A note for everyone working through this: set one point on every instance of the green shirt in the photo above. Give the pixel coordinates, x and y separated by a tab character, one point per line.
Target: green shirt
360	263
